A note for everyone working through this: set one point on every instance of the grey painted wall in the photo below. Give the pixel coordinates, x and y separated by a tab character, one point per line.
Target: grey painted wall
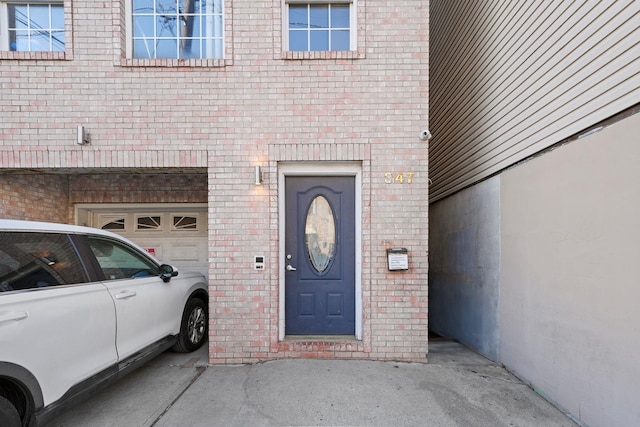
464	267
538	268
570	277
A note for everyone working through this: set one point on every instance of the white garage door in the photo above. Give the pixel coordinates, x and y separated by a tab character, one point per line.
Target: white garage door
175	234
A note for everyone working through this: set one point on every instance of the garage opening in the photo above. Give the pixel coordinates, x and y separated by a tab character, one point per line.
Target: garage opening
174	233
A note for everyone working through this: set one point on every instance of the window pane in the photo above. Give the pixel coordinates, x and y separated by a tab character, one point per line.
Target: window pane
39	41
340	40
143	5
37	260
18	16
217	22
298	40
143	49
173	32
166	7
298	16
190	48
58	41
194	6
340	16
215	46
121	262
40	25
208	26
57	17
19	41
319	40
319	16
325	22
195	28
143	26
212	7
188	27
320	234
39	16
167	49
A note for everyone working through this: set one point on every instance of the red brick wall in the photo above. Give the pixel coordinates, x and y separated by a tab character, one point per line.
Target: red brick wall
138	188
34	197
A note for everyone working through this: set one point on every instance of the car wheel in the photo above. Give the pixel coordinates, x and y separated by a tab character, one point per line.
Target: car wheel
194	326
9	416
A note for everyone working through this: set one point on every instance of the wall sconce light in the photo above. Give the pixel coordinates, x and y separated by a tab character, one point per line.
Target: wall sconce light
48	260
83	136
258	175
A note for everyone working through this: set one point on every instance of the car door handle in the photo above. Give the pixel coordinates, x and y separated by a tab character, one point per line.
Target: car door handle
13	316
125	294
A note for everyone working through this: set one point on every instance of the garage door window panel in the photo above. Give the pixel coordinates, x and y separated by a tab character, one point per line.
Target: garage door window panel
118	224
149	223
184	223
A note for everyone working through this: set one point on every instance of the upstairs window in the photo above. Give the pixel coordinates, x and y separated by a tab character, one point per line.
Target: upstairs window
33	26
320	26
177	29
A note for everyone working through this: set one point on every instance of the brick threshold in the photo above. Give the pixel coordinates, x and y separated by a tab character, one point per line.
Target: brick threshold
322	338
322	346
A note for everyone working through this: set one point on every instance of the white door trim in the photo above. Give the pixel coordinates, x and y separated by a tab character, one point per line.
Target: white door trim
319	169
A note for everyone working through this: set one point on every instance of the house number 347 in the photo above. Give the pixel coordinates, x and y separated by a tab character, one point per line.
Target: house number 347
398	178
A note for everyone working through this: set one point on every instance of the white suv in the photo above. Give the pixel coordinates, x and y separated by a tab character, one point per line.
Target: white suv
80	307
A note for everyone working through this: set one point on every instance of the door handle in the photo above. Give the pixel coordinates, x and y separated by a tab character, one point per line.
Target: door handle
290	267
125	294
13	316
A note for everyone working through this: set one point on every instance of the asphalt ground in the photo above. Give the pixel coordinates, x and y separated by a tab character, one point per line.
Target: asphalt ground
456	388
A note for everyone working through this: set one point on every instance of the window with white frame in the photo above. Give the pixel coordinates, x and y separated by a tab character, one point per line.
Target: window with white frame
176	29
32	26
319	26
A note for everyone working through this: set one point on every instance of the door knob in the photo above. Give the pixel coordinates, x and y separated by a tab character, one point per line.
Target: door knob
290	267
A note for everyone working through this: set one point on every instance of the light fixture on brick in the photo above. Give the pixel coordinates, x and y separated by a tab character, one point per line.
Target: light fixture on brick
83	136
258	175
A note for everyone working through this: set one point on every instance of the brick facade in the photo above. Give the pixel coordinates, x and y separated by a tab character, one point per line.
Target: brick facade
35	197
221	118
138	188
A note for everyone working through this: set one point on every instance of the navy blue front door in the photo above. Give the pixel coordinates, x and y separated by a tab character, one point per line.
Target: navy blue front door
320	255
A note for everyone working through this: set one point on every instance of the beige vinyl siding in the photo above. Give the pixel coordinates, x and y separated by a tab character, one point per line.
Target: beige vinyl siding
509	79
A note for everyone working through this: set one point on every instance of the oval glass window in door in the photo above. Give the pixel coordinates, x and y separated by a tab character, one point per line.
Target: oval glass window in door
320	234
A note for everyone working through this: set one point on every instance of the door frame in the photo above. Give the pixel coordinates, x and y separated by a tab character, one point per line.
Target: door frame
353	169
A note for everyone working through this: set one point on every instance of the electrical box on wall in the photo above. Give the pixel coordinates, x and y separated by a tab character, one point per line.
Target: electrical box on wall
397	259
258	262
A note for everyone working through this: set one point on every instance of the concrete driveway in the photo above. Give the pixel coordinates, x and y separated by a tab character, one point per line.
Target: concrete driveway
456	388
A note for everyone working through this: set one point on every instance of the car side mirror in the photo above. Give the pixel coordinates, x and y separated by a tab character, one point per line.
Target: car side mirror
167	272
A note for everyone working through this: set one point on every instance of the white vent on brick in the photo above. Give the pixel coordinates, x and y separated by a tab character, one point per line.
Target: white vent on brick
509	79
